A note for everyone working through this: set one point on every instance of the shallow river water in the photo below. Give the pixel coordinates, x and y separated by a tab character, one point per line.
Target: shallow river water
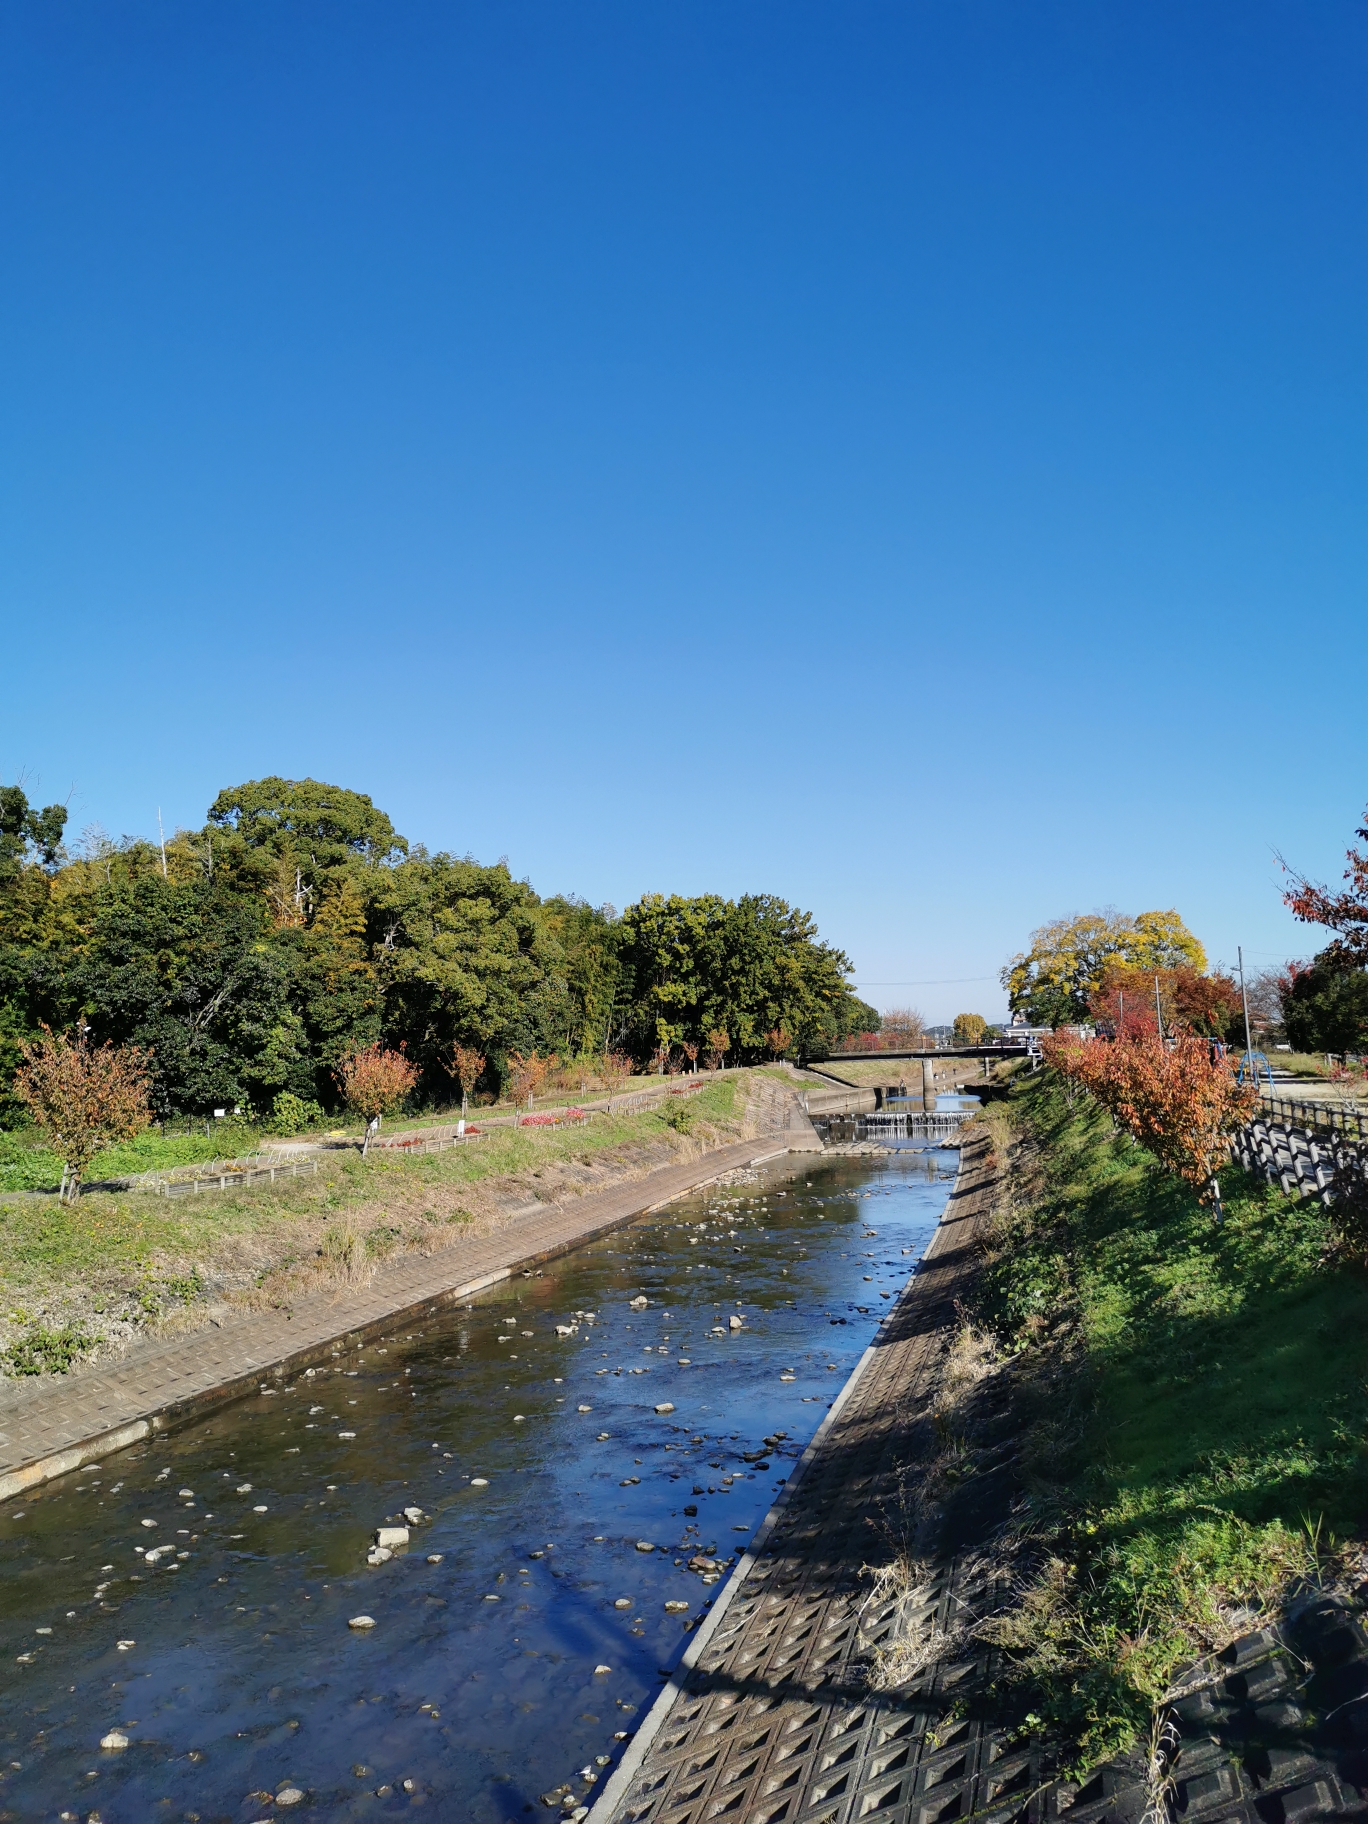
541	1466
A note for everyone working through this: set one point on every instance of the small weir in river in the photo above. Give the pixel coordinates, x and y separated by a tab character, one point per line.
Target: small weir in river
586	1469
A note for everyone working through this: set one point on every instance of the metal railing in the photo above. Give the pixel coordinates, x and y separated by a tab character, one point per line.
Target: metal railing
1326	1117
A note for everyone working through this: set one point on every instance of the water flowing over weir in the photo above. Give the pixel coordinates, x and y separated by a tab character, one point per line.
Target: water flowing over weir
193	1594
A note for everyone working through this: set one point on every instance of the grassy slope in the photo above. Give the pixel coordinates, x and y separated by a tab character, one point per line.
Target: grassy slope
1218	1448
113	1262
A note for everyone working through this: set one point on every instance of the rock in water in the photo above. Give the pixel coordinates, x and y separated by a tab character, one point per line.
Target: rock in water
479	1482
413	1515
639	1303
676	1608
379	1554
390	1536
665	1406
623	1602
115	1739
734	1322
644	1545
598	1670
289	1795
361	1621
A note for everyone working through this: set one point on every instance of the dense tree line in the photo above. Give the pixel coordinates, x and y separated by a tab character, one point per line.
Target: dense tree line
252	955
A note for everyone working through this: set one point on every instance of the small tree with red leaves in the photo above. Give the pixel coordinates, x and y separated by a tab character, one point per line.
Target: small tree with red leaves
467	1066
1179	1100
1346	914
614	1067
375	1082
719	1044
84	1097
527	1074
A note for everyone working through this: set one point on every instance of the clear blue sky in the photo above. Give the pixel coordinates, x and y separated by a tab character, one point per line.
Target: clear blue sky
908	458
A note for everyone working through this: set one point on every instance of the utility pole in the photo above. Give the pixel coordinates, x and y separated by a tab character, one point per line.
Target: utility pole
1244	997
161	837
1158	1013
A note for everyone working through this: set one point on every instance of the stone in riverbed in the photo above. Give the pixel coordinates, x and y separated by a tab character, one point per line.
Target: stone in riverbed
379	1554
623	1602
434	1557
676	1608
288	1795
665	1406
479	1482
644	1545
361	1621
390	1536
115	1739
639	1303
599	1670
413	1515
734	1322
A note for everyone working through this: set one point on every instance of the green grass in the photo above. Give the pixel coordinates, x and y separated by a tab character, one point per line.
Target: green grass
118	1235
27	1165
1217	1441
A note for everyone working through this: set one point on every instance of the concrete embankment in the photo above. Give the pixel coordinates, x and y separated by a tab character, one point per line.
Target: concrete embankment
772	1696
52	1427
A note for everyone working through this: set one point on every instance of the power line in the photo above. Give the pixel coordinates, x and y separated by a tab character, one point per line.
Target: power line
944	981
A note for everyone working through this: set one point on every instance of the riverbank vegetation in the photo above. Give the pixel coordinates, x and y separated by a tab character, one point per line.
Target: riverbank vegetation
83	1281
296	927
1190	1398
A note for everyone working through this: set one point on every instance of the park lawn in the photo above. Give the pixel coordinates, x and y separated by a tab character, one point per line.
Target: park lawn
1197	1410
114	1263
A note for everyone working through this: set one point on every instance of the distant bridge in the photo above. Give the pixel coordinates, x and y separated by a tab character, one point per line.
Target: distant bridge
1002	1048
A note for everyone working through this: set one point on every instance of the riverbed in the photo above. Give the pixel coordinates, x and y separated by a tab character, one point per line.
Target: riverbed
585	1452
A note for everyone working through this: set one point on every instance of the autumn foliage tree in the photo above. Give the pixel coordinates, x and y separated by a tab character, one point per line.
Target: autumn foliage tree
527	1074
375	1082
1180	1100
970	1028
719	1043
467	1066
614	1067
1344	913
84	1097
1187	1000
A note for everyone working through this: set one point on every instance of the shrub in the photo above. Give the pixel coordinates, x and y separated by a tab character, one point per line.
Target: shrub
292	1114
43	1351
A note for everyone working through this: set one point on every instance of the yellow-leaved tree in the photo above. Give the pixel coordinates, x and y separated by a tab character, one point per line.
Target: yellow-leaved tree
1052	982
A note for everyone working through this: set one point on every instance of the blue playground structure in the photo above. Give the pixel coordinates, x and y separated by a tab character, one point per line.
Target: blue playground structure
1256	1062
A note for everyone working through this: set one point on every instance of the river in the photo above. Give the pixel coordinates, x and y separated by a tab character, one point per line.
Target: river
194	1594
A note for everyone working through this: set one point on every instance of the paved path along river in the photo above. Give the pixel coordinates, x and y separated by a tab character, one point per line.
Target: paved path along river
542	1462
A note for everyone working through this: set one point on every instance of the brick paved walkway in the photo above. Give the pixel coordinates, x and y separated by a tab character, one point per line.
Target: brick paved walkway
52	1427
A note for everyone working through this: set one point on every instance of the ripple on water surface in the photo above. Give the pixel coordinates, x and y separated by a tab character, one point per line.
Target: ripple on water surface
563	1450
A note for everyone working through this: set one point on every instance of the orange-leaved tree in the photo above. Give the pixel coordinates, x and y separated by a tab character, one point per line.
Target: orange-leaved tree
778	1041
84	1097
614	1067
691	1053
719	1044
375	1082
467	1064
1180	1100
527	1074
1346	914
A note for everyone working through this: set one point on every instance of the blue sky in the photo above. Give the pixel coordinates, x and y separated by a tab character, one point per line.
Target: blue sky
906	458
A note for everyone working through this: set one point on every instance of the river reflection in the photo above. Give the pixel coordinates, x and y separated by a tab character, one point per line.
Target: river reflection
195	1593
